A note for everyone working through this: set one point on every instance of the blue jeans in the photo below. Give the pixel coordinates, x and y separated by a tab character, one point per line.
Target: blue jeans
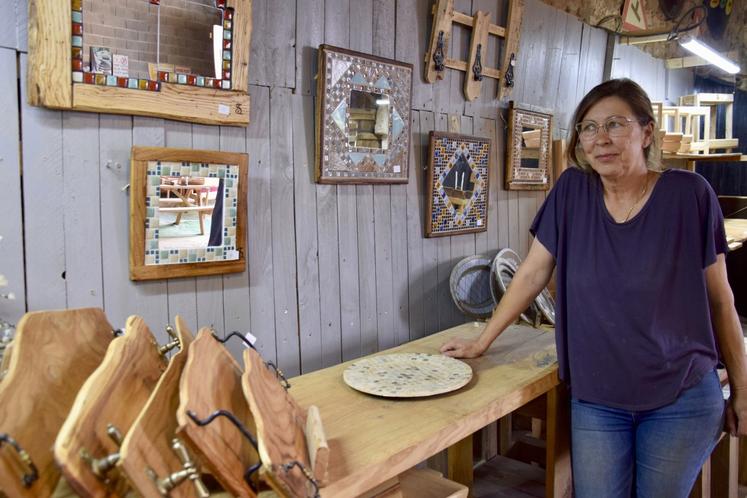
648	454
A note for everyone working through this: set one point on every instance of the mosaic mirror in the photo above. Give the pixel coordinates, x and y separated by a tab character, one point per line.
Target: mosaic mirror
458	172
363	118
178	59
188	212
529	149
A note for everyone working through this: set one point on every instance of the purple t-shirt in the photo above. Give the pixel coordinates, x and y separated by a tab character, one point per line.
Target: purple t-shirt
633	326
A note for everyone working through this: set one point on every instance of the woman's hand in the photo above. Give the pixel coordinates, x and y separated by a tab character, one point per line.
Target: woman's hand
463	348
736	413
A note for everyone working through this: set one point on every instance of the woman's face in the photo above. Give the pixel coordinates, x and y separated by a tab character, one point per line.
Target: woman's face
617	150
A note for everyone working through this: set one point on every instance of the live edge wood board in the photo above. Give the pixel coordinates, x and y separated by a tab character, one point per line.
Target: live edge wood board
50	81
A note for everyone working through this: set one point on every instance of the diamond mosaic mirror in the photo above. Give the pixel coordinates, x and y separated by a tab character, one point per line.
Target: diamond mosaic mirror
363	118
458	171
529	151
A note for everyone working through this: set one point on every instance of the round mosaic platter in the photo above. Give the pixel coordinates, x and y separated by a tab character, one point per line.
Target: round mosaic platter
407	375
469	284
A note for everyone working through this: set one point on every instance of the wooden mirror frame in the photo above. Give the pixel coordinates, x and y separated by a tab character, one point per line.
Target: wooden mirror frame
49	75
518	177
138	210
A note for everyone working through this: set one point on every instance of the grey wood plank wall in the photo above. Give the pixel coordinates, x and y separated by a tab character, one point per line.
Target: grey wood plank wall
334	271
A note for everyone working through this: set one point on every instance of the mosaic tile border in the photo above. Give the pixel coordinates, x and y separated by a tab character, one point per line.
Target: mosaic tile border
517	177
227	252
342	72
81	76
447	152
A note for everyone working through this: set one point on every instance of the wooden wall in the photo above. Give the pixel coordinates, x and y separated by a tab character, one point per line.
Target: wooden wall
334	271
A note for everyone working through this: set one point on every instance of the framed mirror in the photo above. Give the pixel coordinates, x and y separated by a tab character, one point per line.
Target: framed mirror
187	212
529	148
178	59
362	118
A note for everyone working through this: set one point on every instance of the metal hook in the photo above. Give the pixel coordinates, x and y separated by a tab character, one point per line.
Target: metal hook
306	472
244	432
510	70
118	332
477	66
33	473
189	471
174	343
280	375
234	334
438	54
101	466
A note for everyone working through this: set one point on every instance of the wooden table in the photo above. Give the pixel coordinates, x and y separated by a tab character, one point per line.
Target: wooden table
736	232
373	440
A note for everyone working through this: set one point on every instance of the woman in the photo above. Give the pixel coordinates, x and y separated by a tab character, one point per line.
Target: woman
644	307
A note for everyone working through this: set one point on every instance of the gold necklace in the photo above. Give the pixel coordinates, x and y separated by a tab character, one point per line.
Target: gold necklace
643	194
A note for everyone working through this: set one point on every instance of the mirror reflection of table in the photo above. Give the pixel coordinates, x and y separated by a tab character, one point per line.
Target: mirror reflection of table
188	198
373	440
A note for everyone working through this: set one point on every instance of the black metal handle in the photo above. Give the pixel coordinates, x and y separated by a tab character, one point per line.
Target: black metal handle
477	66
510	71
438	54
235	333
306	472
280	375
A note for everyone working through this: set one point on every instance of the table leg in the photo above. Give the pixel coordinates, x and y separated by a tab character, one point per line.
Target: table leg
558	468
460	462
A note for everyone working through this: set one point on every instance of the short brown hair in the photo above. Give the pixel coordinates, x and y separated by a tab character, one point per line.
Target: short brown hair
636	97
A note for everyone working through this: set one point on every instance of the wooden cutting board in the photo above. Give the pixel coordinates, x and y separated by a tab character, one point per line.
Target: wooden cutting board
114	394
148	444
54	352
211	381
282	430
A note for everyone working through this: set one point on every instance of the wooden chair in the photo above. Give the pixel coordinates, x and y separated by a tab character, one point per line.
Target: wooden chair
53	354
87	447
155	462
292	445
214	418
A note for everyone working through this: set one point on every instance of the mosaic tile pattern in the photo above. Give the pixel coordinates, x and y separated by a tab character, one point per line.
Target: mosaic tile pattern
227	252
530	176
81	76
405	375
459	184
345	72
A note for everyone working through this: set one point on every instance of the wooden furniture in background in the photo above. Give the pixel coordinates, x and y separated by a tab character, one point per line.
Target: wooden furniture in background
148	454
50	81
444	16
53	354
110	400
138	209
211	381
711	102
373	439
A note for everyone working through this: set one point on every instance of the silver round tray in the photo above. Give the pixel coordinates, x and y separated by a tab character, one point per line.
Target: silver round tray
504	267
470	286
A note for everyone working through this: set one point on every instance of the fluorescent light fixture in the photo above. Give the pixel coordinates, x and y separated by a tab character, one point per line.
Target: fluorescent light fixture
702	50
382	101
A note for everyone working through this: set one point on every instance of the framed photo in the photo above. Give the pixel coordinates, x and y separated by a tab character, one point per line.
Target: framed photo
528	148
458	172
187	212
362	118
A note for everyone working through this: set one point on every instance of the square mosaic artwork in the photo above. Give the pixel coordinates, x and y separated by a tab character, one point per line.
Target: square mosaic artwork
529	149
458	171
363	119
228	174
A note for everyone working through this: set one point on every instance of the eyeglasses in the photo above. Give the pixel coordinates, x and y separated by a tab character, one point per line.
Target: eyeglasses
614	126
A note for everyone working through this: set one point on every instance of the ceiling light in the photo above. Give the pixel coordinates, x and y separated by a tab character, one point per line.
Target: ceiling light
702	50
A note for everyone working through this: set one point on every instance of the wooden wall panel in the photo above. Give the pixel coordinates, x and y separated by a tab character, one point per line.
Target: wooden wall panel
333	271
11	246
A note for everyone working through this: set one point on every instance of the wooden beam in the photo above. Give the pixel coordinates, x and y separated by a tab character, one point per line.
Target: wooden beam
469	21
242	37
49	72
513	25
472	86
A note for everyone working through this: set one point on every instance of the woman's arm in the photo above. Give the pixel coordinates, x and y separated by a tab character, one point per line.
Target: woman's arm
731	343
531	277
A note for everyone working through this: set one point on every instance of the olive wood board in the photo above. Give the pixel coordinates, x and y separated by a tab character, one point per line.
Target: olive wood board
54	352
211	381
148	444
284	432
114	394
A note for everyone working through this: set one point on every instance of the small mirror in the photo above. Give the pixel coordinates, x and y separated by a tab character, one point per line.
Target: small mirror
528	164
368	121
188	211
